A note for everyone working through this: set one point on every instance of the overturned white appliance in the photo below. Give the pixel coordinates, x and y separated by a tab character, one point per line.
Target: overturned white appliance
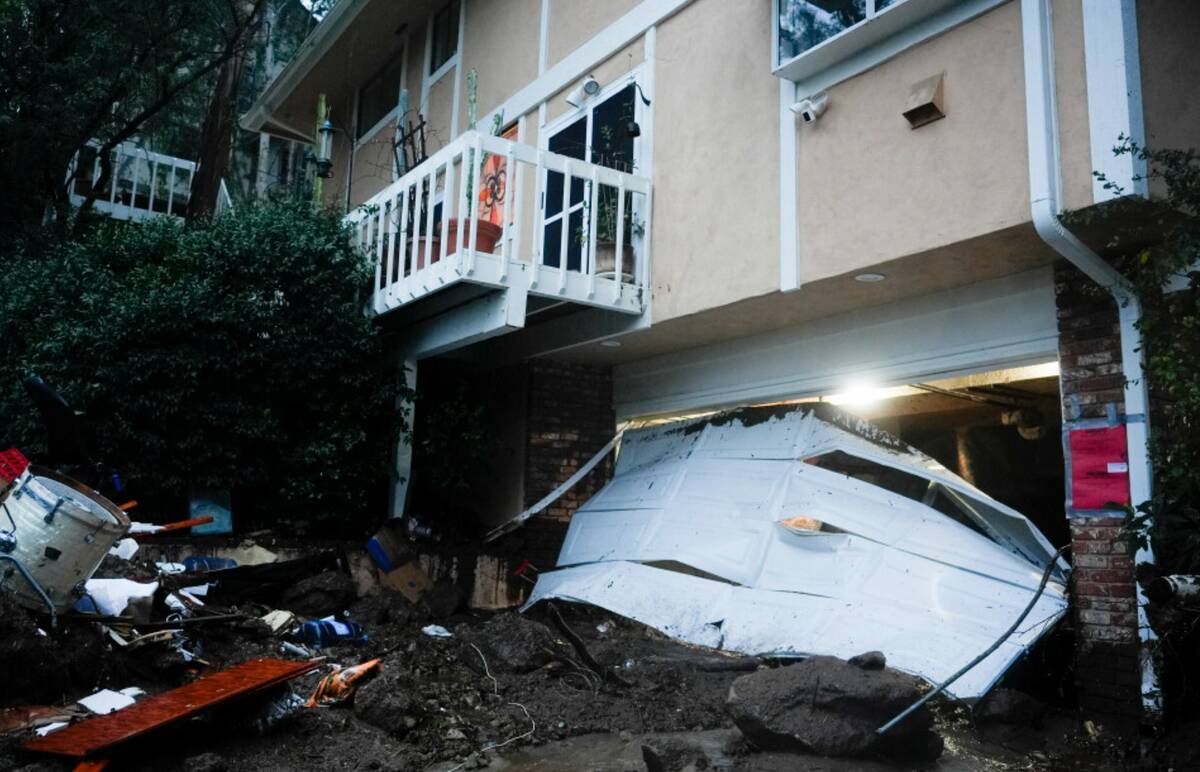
803	531
57	531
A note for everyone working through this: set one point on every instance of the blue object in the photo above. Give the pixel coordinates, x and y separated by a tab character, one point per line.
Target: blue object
118	486
319	633
204	563
214	504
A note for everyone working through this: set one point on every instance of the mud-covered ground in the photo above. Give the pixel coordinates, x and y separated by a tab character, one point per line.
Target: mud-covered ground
504	692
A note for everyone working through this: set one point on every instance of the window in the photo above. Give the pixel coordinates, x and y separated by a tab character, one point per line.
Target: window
444	41
805	24
379	96
600	135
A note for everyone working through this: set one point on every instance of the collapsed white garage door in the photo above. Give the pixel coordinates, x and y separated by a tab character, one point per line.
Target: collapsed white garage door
805	531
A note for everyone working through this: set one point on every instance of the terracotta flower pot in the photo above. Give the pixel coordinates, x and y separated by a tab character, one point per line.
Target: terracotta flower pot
486	236
606	261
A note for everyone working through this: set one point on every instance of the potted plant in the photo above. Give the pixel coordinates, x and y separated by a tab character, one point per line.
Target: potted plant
487	233
607	218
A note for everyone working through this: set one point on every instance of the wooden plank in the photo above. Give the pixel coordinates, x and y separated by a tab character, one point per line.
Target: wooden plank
98	734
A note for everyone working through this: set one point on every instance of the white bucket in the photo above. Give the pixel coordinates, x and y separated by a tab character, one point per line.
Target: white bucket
63	531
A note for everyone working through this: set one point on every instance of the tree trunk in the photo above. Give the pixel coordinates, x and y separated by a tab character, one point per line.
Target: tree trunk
216	139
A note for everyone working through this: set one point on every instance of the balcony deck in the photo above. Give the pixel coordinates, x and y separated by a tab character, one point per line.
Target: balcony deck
510	195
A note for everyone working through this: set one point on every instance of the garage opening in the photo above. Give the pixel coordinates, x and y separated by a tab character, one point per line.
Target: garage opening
1000	430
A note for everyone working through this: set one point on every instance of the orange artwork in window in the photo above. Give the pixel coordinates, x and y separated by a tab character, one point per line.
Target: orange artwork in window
493	184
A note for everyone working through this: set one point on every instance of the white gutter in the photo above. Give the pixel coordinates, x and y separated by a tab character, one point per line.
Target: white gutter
1045	186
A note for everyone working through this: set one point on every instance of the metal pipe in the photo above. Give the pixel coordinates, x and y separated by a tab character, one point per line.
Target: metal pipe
1045	185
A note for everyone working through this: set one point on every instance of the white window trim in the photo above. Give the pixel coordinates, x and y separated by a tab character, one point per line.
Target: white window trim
440	73
871	42
642	156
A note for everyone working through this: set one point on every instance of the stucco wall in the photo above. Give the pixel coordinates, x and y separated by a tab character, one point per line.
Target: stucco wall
572	22
1167	34
716	159
500	42
373	164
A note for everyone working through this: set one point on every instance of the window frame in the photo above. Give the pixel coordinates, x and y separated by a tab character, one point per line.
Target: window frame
641	152
362	136
870	42
435	73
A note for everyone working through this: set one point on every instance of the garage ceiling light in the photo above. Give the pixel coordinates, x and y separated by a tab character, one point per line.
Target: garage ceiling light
610	343
870	278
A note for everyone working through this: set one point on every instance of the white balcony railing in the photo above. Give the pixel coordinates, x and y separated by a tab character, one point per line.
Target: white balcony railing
493	212
142	184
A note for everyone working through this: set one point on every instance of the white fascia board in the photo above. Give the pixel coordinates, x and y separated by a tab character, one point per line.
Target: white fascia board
335	23
1114	95
999	323
575	65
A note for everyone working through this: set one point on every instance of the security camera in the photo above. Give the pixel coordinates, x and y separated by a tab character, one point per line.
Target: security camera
589	88
810	109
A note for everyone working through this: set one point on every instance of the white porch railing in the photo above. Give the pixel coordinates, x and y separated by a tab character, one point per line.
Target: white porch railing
143	183
587	243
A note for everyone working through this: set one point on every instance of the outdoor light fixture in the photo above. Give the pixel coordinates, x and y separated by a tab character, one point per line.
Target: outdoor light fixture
611	343
588	89
325	154
870	278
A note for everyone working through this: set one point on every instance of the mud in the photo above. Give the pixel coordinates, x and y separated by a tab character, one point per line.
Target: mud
506	692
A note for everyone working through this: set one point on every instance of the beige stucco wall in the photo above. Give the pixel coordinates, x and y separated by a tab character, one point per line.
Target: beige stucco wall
373	164
572	22
1167	35
716	159
872	189
500	42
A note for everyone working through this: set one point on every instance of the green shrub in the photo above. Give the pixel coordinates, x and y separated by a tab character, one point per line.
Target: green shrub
232	354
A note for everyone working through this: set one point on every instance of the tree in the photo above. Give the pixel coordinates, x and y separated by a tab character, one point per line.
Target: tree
72	71
232	353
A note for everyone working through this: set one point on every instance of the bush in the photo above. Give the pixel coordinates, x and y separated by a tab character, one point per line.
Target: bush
233	354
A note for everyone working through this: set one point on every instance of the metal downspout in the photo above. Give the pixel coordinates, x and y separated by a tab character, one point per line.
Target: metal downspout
1046	209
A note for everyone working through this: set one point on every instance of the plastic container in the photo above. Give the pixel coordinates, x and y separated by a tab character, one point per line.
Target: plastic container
63	531
205	563
319	633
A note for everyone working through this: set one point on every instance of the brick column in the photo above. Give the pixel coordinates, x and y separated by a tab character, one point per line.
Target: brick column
1103	591
568	419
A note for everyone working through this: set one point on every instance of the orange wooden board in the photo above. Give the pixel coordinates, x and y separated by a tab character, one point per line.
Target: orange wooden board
103	732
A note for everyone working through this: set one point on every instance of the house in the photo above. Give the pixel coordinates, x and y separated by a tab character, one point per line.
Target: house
589	213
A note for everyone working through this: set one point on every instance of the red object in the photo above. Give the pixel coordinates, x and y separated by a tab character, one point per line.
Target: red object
103	732
12	464
1099	468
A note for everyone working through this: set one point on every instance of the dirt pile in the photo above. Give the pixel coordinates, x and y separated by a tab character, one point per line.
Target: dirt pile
833	708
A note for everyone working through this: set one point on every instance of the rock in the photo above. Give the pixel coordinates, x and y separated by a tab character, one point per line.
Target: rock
869	660
205	762
443	599
320	594
1008	706
511	643
830	707
384	702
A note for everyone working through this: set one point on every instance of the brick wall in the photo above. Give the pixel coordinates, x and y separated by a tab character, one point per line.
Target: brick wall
569	417
1103	584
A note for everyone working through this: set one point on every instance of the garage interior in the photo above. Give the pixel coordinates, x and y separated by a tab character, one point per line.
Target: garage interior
999	430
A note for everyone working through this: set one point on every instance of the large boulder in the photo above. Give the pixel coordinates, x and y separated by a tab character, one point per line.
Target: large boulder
511	643
828	706
328	592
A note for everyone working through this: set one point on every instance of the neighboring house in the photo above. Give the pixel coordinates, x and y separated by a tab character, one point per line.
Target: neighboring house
767	201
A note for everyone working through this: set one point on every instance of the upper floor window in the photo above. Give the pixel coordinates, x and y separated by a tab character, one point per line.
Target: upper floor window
805	24
444	40
817	43
379	96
